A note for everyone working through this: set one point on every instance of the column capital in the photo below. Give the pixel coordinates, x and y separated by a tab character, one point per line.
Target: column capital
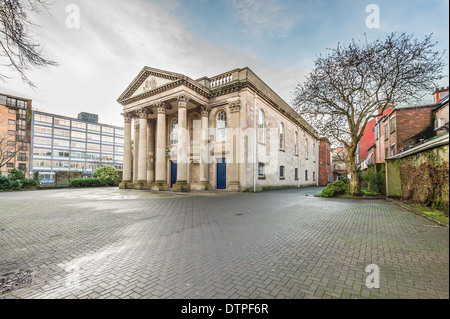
205	110
234	105
161	107
128	117
143	113
183	100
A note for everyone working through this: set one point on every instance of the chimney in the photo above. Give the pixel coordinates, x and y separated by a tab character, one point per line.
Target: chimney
440	93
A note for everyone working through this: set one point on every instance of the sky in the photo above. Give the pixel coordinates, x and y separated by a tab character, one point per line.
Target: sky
100	53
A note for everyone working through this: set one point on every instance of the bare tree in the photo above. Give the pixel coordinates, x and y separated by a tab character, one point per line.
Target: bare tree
9	150
352	84
19	52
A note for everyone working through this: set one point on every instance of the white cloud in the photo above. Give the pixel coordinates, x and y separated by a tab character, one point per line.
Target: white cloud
115	40
265	17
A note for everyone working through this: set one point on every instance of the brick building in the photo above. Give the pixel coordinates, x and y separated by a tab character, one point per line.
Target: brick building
325	165
441	117
15	127
366	144
440	94
339	163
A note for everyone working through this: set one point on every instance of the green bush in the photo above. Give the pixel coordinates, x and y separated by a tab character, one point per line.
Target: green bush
335	188
16	181
4	183
16	175
36	177
374	180
109	174
87	182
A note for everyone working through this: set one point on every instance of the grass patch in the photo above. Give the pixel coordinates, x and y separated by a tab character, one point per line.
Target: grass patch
431	213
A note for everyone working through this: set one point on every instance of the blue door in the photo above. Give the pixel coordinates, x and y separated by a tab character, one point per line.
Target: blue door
173	173
221	170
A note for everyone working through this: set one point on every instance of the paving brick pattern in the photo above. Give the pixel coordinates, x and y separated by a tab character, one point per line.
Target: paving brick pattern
109	243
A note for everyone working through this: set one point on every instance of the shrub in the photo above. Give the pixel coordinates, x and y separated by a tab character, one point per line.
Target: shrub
109	174
15	185
36	177
335	188
87	182
4	183
16	181
16	175
374	180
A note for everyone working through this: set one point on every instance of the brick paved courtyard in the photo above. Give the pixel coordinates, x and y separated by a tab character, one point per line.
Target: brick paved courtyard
110	243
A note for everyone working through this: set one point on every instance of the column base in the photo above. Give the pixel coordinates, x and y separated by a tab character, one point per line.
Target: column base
201	186
181	186
142	185
126	185
160	186
234	187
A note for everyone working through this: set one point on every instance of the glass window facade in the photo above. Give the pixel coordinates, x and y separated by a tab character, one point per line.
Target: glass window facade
61	143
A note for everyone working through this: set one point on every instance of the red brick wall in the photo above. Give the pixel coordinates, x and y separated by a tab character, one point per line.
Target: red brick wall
324	162
410	122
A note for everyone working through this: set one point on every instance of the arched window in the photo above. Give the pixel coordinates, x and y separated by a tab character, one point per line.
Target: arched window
221	125
281	172
261	127
174	132
281	136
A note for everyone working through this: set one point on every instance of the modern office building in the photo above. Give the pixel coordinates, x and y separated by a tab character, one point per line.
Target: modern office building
61	143
15	126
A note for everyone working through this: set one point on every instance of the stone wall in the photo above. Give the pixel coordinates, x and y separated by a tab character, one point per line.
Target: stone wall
421	177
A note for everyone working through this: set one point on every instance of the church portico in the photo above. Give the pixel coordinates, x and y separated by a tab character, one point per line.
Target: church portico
190	135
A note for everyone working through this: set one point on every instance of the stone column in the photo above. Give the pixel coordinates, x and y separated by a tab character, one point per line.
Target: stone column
161	159
142	157
136	150
234	141
151	152
182	184
127	175
204	153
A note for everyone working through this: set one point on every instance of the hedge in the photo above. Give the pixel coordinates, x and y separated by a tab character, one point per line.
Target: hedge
87	182
16	181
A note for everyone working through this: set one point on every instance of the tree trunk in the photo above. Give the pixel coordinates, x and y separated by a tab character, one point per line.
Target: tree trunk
355	187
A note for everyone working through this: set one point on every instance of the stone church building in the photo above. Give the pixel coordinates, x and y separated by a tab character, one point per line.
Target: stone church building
230	132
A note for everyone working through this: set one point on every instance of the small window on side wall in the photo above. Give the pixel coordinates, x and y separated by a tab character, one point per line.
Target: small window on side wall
261	173
281	172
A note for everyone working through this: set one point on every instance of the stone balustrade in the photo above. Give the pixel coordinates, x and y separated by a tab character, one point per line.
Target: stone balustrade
221	80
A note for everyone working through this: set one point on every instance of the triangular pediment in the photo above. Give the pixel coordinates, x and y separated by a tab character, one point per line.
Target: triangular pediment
147	80
150	83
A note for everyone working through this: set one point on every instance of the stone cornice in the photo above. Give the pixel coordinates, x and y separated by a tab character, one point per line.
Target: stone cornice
180	82
209	93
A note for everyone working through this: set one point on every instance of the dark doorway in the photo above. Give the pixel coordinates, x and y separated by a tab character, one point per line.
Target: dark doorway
221	174
173	173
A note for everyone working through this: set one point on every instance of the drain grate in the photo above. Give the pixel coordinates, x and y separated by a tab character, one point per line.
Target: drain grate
15	280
